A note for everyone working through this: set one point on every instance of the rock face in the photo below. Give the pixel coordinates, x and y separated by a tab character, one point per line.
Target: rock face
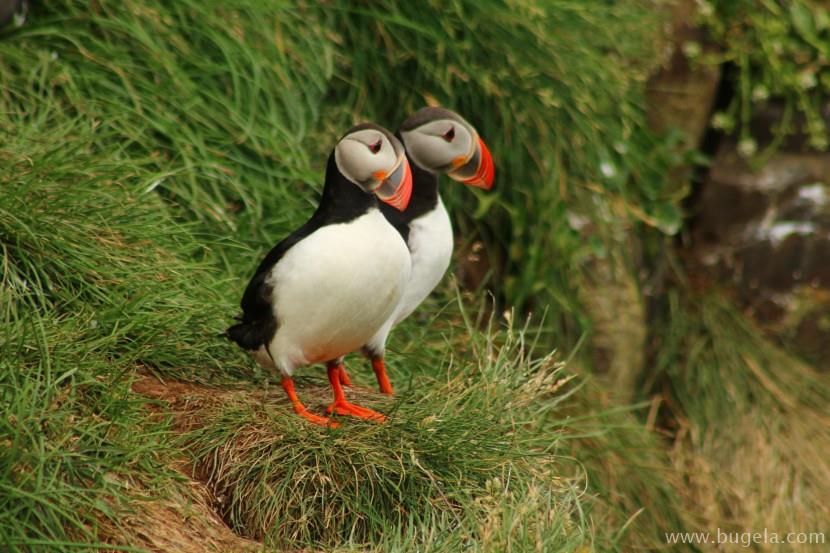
766	232
681	94
610	292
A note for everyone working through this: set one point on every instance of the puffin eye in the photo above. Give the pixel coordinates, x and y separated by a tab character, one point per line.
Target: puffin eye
449	135
375	148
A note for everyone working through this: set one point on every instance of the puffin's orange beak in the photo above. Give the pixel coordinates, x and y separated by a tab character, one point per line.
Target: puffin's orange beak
396	187
478	170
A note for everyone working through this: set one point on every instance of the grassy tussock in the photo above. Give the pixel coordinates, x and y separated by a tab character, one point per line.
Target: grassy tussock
455	452
203	93
93	281
81	239
69	432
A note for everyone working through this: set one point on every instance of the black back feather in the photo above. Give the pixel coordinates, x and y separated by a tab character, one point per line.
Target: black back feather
342	201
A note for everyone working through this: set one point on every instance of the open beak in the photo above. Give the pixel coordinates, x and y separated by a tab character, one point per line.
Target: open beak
395	188
478	170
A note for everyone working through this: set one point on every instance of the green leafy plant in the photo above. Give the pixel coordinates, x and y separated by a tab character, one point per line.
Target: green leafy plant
781	51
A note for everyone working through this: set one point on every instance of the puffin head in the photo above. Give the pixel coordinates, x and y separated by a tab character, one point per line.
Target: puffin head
441	141
372	158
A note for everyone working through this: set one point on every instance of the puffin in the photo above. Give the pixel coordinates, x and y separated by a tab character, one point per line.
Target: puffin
328	287
437	141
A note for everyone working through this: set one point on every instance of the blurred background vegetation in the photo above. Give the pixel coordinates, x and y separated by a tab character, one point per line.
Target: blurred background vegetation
633	341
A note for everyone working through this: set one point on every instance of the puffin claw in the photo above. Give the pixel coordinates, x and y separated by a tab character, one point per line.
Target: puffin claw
346	408
317	419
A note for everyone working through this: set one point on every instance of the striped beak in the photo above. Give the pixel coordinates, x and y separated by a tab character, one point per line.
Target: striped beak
395	187
478	170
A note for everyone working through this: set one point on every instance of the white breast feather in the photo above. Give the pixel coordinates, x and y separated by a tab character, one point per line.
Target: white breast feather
335	288
430	244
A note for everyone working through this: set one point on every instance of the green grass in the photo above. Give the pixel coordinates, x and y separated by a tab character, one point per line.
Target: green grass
151	152
79	256
81	239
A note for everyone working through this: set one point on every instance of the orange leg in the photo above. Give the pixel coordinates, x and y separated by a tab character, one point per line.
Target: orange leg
380	373
343	407
299	408
344	376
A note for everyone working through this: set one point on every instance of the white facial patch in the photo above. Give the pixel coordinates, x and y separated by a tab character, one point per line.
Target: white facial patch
359	155
431	147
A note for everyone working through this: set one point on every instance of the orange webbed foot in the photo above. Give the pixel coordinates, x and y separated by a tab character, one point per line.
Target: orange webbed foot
316	419
343	407
300	409
346	408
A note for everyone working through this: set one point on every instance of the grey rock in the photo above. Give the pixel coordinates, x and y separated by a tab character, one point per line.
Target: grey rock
12	11
765	232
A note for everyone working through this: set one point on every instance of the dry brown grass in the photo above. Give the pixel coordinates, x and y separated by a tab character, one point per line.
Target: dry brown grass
769	472
187	402
751	429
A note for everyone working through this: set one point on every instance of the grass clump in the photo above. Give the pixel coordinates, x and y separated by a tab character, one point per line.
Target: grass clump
455	454
95	278
216	101
80	238
70	435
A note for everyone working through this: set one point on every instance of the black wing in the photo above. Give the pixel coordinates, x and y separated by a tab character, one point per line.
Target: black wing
341	202
259	322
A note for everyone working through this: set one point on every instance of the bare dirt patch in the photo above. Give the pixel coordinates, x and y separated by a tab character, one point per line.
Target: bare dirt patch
181	521
190	517
184	520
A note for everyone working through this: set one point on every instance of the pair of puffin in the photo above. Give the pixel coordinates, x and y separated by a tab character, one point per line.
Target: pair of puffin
358	266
